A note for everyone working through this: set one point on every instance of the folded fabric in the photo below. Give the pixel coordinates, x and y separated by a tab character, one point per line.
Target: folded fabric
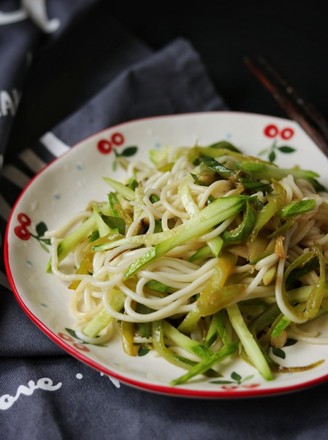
170	81
24	31
37	378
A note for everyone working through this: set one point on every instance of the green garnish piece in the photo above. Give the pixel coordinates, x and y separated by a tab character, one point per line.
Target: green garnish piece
298	207
243	230
265	171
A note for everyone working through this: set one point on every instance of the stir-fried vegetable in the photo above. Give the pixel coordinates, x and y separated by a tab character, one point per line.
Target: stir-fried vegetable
207	255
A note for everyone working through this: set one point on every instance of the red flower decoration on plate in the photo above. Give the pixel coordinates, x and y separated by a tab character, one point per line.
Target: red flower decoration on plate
21	230
274	132
105	146
79	346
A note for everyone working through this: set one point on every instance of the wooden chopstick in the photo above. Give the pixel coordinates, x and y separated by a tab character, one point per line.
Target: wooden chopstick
291	101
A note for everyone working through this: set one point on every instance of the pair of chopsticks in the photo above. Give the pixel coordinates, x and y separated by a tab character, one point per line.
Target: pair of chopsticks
291	101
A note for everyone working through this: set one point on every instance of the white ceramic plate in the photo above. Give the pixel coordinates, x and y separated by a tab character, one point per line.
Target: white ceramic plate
69	183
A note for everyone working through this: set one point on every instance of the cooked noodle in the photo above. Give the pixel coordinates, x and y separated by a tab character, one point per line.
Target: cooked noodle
168	196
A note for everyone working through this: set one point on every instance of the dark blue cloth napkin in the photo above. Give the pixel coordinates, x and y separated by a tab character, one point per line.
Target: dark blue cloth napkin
105	78
44	393
140	83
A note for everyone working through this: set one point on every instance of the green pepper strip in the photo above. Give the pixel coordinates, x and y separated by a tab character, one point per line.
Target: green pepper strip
297	207
166	353
235	176
217	167
283	228
218	152
314	300
290	212
242	231
161	330
262	170
276	201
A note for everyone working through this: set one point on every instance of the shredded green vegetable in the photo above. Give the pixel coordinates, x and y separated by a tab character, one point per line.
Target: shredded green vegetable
206	255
